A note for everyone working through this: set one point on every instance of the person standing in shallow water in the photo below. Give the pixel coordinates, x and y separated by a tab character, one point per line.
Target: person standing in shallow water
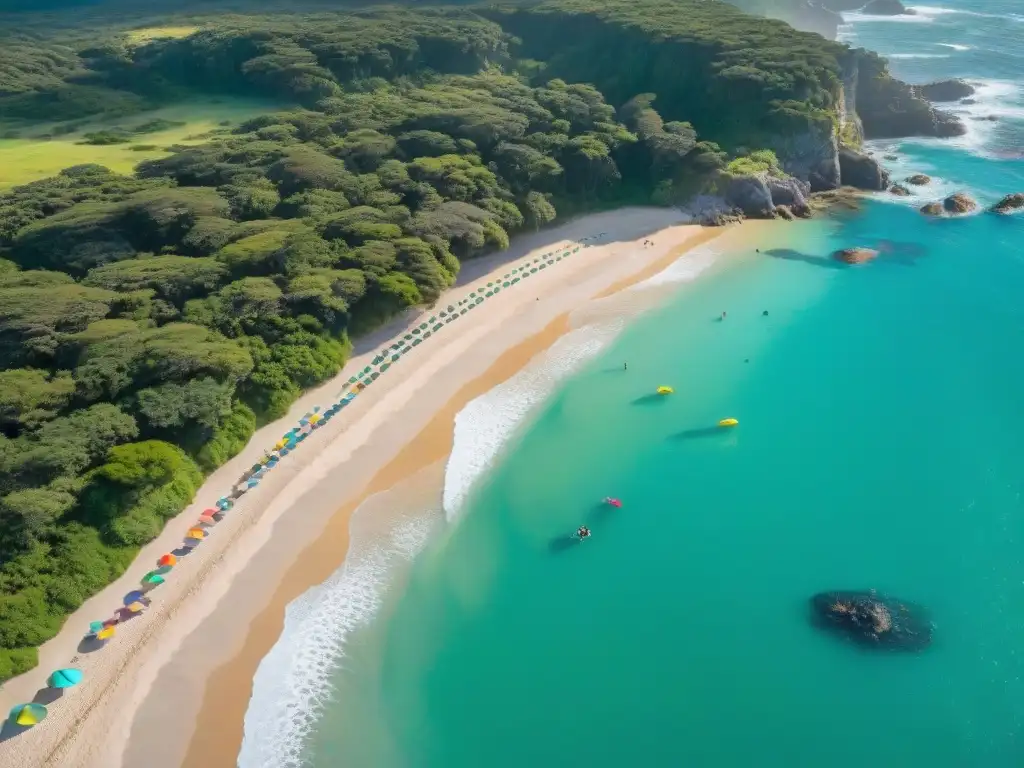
625	366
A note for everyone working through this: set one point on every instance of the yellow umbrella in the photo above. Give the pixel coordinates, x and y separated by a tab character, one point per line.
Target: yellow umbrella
136	607
28	715
106	633
196	533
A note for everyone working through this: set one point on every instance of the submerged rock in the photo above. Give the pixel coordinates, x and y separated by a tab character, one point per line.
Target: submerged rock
899	190
859	170
968	101
946	90
932	209
1009	204
873	620
887	8
918	179
959	203
855	255
890	158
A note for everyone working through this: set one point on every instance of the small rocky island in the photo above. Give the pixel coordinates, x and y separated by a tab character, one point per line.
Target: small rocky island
855	255
1009	204
887	8
873	620
918	179
954	205
946	90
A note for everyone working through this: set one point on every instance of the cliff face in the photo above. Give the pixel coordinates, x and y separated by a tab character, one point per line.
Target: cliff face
890	108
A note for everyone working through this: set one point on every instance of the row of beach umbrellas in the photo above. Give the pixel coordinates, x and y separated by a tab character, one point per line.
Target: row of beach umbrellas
136	601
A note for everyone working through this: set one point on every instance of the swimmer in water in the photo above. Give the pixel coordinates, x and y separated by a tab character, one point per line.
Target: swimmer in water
765	313
583	532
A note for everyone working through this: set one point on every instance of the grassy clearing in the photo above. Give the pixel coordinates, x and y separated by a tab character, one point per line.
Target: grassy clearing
31	156
146	34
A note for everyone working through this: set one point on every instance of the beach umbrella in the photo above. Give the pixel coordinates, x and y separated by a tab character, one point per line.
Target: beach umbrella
279	444
167	559
224	504
65	678
163	570
153	578
285	451
136	607
96	626
252	483
255	467
28	715
207	520
133	596
106	633
196	533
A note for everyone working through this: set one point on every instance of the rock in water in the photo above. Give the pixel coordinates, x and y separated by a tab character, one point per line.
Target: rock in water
932	209
861	171
946	90
899	190
1009	204
886	8
918	179
959	204
873	620
855	255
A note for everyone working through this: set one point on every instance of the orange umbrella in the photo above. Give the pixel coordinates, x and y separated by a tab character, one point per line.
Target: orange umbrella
167	559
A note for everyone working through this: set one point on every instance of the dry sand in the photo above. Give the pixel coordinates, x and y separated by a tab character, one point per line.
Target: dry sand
173	685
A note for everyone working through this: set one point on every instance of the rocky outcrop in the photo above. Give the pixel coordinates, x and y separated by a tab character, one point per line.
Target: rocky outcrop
954	205
1009	204
859	170
855	255
889	108
899	190
945	90
873	620
918	180
959	204
886	8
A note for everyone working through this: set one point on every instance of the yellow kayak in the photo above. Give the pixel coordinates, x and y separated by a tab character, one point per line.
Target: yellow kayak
728	423
665	390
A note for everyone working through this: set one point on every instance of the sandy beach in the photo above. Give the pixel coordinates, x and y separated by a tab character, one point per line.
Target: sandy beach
172	687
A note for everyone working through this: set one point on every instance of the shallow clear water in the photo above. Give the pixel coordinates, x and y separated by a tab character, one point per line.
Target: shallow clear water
880	446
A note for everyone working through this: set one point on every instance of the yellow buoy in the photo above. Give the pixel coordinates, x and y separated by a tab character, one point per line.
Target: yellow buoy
728	423
665	390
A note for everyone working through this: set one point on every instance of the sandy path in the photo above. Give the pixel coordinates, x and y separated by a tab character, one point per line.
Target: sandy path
305	501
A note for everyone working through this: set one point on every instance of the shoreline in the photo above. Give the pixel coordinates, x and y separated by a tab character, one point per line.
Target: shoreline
109	718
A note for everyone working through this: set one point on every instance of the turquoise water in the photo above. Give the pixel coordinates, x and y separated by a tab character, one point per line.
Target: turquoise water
880	446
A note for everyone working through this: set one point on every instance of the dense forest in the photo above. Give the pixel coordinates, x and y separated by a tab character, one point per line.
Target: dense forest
149	323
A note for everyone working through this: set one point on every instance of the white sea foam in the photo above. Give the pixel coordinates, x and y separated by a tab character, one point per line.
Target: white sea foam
931	11
292	683
855	17
485	425
917	55
955	46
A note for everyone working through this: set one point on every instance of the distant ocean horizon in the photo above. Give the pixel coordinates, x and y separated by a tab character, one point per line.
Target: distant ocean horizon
879	446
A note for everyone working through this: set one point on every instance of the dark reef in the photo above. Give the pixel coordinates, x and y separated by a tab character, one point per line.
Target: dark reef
874	620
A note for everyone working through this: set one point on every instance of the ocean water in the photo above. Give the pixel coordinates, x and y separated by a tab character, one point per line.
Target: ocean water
880	445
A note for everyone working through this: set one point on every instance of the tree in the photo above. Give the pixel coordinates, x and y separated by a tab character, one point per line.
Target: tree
30	396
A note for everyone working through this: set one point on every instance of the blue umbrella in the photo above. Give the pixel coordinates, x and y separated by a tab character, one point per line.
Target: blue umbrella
65	678
133	597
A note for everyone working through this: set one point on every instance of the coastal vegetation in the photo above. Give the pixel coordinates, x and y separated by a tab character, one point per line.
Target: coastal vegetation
149	321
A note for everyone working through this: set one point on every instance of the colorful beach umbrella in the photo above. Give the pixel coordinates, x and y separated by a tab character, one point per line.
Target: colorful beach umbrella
136	607
163	570
28	715
153	578
106	633
196	533
224	503
132	597
65	678
167	559
96	626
